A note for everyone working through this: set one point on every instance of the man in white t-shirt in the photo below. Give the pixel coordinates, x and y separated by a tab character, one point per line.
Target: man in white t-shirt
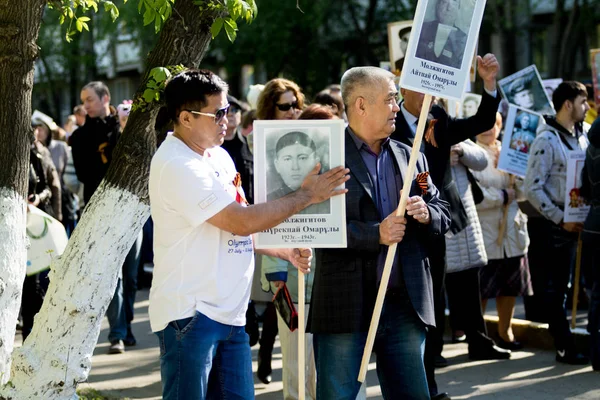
203	251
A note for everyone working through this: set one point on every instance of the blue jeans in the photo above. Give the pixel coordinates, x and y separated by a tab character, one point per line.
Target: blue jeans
120	309
193	348
116	315
399	346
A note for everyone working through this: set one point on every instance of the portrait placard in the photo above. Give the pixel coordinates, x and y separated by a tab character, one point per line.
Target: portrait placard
595	59
443	40
524	89
398	37
576	209
469	105
519	132
284	153
550	86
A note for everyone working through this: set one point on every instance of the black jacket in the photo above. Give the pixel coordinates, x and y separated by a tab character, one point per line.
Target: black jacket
448	132
92	146
591	180
345	286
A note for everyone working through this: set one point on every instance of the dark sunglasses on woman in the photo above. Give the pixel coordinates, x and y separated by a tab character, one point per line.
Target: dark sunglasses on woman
287	106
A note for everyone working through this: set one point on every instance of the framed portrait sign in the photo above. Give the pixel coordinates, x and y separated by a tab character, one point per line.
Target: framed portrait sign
519	132
469	105
284	153
550	86
525	89
576	208
441	47
398	38
595	60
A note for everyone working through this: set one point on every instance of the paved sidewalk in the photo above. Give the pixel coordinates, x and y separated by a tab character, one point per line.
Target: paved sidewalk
531	374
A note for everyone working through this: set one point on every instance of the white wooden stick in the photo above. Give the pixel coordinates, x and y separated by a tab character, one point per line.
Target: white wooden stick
387	270
576	283
301	336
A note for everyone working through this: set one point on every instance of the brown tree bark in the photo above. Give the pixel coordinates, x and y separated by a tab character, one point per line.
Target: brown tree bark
56	356
19	27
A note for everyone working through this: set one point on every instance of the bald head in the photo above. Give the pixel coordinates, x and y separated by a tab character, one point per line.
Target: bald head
364	82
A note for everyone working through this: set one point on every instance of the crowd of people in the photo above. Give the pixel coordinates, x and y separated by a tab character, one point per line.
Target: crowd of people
473	233
67	165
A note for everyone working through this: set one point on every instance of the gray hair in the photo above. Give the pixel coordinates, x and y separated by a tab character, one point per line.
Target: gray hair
359	81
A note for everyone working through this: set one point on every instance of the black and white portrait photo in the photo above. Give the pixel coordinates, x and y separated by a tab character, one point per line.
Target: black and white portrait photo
524	89
293	155
441	48
398	36
443	38
469	105
285	152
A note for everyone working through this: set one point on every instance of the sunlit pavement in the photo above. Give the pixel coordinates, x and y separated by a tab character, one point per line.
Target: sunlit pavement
530	374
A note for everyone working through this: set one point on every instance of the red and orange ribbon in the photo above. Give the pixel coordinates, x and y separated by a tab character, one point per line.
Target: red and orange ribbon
422	182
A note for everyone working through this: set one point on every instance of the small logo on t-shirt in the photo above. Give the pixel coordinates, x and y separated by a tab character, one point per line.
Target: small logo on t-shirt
207	201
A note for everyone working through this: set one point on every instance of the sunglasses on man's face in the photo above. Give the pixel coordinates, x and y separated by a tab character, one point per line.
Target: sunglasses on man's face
286	106
218	116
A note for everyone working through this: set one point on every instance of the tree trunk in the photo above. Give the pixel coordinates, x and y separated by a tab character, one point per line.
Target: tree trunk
19	27
57	354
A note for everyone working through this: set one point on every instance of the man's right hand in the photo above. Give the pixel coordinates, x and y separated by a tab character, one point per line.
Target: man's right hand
322	187
391	229
572	226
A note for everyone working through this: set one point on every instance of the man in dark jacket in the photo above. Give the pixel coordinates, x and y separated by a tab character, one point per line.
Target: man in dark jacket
447	132
93	143
346	280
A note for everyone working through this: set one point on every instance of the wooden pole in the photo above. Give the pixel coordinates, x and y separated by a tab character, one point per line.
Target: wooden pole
576	285
504	221
387	270
301	336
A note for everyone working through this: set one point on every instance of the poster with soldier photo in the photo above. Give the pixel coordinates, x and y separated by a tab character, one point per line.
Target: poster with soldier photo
550	86
519	132
576	208
524	89
398	36
441	46
595	59
285	152
469	105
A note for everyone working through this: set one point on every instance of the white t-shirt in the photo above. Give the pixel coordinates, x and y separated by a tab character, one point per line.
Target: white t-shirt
197	266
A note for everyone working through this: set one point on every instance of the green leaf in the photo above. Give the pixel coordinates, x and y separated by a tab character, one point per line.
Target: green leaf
157	23
85	26
230	30
231	23
78	25
140	4
84	19
160	74
149	16
149	95
216	27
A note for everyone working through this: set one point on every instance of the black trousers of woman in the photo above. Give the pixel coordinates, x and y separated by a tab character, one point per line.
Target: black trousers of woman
464	302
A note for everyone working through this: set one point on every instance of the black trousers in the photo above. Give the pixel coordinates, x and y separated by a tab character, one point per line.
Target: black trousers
434	341
34	290
464	301
536	254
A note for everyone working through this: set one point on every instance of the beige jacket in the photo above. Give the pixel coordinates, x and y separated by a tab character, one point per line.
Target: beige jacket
491	209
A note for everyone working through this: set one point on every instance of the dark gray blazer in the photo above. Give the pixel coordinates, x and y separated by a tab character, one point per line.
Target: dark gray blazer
345	286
